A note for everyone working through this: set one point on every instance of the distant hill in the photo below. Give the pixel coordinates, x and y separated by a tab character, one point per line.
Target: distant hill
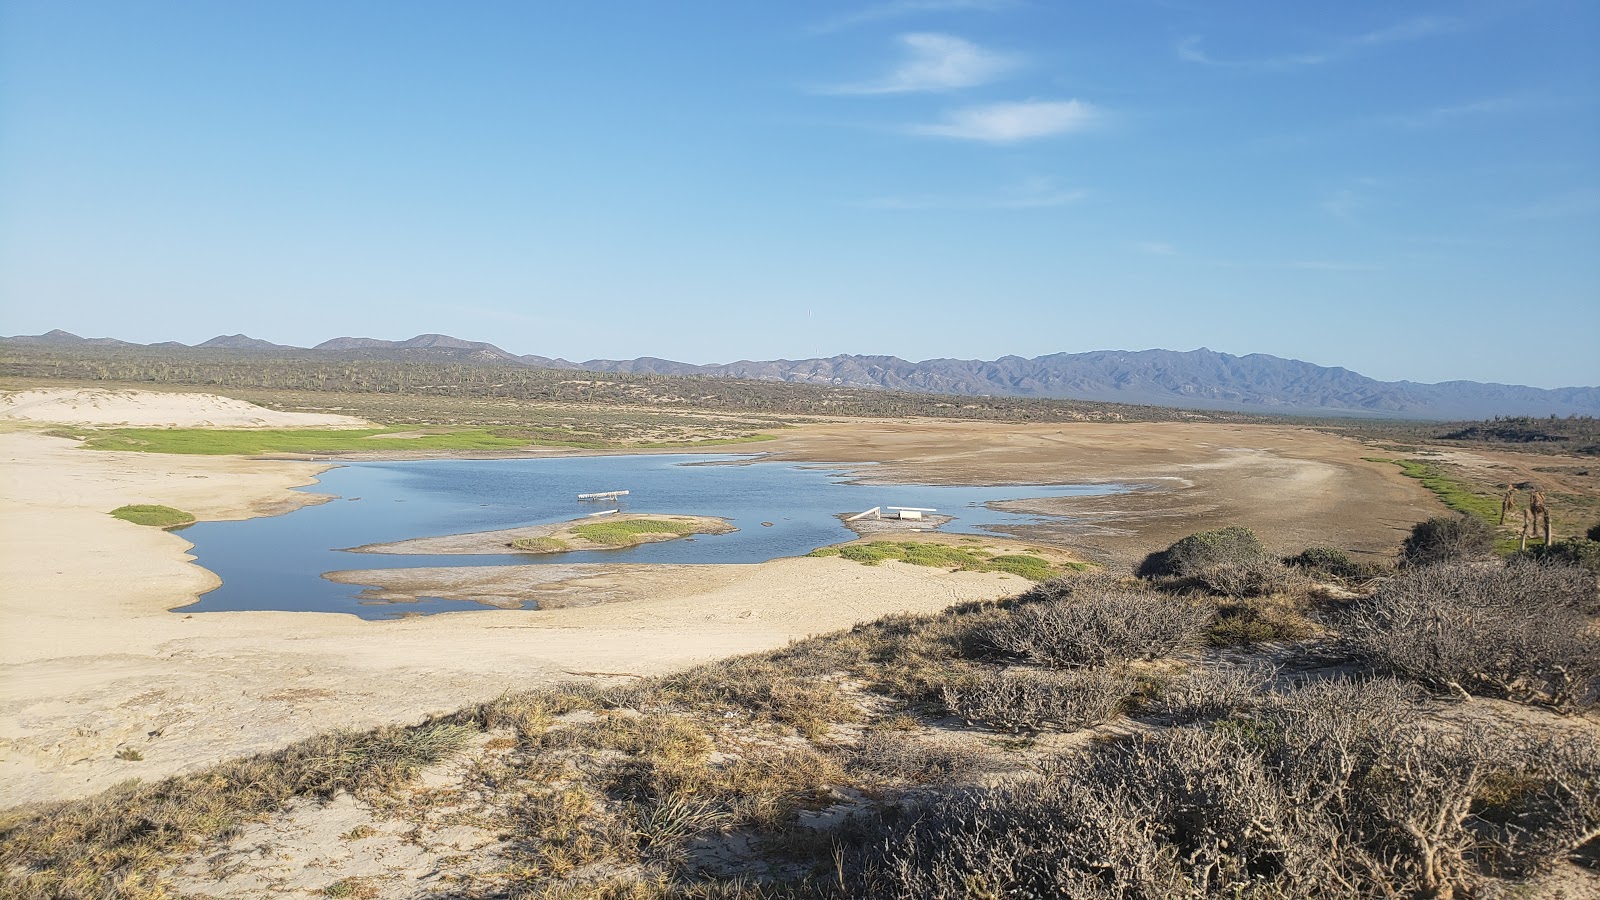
240	342
1194	379
436	344
59	338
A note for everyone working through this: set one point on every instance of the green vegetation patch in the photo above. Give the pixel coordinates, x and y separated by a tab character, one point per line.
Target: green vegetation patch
244	442
540	545
943	556
152	514
1450	492
222	442
630	531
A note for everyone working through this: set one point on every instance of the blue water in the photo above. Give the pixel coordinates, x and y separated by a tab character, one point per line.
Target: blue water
276	562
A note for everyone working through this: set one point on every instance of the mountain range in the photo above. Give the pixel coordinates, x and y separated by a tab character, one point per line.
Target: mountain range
1194	379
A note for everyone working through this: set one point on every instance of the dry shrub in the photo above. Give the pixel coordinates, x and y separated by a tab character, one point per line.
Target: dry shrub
1447	539
557	830
1112	626
901	758
1229	561
1256	620
765	688
1213	692
1327	562
1522	632
530	713
1027	700
1334	790
116	843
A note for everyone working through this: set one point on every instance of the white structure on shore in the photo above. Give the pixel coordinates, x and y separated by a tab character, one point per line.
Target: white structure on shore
895	512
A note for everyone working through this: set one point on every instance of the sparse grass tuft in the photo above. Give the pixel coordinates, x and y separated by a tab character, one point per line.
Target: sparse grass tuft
153	515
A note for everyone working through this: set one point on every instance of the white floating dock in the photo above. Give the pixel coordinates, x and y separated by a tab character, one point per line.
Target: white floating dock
603	495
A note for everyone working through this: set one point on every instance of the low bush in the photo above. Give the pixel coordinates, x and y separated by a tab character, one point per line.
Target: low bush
898	758
1229	561
1203	549
1584	554
1326	561
1302	798
1026	700
1258	620
1085	628
1521	631
1212	692
1446	539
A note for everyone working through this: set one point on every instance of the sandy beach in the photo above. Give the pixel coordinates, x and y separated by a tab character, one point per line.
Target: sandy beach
94	662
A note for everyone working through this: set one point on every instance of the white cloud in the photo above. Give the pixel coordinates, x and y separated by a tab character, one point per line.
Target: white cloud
1189	50
1031	193
902	8
936	62
1007	123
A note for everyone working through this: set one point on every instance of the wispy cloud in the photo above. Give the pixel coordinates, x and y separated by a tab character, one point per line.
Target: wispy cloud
1008	123
1189	49
1040	192
1155	248
903	8
935	62
1504	104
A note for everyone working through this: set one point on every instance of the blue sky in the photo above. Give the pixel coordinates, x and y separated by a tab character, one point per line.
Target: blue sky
1409	190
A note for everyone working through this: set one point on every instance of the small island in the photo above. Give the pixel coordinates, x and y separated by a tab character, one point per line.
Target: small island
614	532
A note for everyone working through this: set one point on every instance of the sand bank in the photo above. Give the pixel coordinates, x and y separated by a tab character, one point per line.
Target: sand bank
155	409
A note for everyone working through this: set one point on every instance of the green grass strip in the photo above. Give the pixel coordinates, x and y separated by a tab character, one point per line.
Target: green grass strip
223	441
245	442
1451	493
919	553
154	515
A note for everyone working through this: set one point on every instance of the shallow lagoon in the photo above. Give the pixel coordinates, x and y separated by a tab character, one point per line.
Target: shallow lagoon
276	562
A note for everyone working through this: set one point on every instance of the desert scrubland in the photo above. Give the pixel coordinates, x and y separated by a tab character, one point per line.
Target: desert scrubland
752	768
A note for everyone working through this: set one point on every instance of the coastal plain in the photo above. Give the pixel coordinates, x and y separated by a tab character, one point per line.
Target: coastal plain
99	658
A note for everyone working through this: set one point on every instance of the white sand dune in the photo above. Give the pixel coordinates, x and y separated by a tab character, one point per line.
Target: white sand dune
155	409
